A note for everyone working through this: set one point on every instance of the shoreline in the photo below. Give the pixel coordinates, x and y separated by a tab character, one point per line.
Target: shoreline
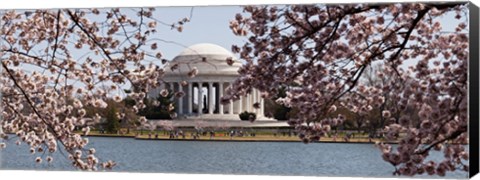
292	139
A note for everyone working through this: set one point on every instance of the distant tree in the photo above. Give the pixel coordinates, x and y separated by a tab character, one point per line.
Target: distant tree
161	107
349	118
112	123
280	111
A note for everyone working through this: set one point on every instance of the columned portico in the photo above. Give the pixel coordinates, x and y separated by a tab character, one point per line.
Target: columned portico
220	94
230	107
189	99
240	109
200	98
210	98
180	100
204	98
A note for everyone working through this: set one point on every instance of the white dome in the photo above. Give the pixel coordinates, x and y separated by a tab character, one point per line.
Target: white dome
205	49
209	59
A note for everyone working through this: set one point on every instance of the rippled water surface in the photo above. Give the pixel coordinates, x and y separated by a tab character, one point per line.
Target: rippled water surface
260	158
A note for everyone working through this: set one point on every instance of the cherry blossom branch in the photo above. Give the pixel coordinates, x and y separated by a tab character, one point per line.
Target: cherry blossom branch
93	39
57	33
454	135
34	109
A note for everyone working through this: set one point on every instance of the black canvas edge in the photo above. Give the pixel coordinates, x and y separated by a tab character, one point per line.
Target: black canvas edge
473	89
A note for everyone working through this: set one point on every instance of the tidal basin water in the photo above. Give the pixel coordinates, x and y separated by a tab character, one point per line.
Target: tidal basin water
202	157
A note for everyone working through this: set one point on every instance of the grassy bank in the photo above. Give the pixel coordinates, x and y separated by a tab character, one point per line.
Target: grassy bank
254	139
223	136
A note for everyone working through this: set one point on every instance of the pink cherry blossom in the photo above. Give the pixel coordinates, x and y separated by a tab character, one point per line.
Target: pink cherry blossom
49	81
324	55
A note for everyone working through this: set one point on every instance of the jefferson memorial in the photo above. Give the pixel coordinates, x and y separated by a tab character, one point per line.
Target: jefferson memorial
202	92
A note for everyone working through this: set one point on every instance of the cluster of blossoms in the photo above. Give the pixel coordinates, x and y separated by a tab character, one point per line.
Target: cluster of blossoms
321	53
56	63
